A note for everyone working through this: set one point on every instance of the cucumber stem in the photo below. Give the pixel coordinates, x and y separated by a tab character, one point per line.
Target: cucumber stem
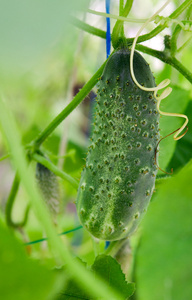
118	30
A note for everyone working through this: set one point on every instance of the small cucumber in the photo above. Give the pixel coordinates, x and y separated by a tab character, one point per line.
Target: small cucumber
118	180
49	187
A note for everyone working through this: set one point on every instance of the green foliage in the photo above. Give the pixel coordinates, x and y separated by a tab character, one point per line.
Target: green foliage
21	278
176	102
182	153
163	258
73	291
107	268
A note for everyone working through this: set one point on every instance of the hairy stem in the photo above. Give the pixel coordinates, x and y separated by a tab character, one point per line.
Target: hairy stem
161	55
121	7
179	67
174	39
142	38
119	24
69	96
88	28
159	28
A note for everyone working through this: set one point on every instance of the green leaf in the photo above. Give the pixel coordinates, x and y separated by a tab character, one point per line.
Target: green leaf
21	277
175	103
164	261
75	161
183	148
110	270
52	143
73	291
30	134
74	156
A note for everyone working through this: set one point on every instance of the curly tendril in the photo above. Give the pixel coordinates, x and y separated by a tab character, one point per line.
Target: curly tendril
160	86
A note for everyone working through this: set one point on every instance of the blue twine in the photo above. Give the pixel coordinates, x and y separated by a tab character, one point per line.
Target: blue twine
45	239
108	33
108	51
107	243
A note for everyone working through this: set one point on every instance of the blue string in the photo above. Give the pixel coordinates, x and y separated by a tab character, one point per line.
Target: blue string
107	243
45	239
108	51
108	33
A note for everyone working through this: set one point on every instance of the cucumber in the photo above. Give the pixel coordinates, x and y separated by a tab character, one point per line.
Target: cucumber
49	187
118	179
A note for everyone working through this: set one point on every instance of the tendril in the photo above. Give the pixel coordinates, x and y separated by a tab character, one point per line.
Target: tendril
160	86
156	150
178	131
120	18
185	25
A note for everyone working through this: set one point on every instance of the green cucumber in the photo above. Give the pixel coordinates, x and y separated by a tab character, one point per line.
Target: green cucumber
119	177
49	188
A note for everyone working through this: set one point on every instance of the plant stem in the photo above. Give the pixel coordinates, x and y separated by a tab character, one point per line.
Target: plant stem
179	67
69	108
115	246
185	44
174	39
72	78
10	203
142	38
121	6
159	28
4	156
124	257
161	55
112	16
40	159
119	24
88	28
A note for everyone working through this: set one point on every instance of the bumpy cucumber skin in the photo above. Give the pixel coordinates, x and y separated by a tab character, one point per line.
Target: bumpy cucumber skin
49	187
119	177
